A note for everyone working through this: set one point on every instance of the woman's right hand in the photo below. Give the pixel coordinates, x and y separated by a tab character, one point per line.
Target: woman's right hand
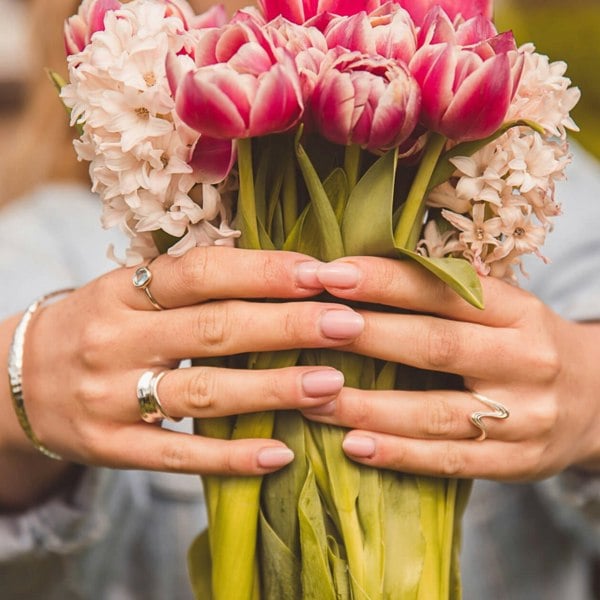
85	353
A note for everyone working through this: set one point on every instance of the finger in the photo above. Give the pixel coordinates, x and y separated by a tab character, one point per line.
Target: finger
490	459
438	414
220	272
466	349
406	285
222	328
205	392
143	446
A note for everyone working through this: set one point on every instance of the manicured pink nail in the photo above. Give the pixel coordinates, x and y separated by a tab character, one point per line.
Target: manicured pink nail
325	382
341	324
273	457
359	446
338	275
306	275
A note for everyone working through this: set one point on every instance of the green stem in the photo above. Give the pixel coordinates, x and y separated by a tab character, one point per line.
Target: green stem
352	164
246	220
413	211
448	538
290	193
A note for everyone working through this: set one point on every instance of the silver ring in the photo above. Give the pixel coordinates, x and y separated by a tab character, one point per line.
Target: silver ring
141	280
500	412
151	408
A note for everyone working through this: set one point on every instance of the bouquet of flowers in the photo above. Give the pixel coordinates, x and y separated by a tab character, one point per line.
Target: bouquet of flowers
408	129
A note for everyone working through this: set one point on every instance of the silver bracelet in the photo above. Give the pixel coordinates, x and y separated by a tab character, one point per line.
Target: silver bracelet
15	371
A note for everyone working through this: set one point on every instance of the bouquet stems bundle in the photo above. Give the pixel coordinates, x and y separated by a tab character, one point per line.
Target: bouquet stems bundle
326	527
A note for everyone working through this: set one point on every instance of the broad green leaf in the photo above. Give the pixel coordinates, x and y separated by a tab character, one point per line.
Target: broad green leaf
317	582
367	223
281	489
455	272
339	570
404	538
444	168
370	514
199	567
280	567
336	188
386	380
367	230
331	245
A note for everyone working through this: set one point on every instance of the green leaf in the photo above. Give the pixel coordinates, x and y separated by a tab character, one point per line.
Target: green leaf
444	168
199	567
280	566
367	223
336	188
317	582
455	272
331	246
367	230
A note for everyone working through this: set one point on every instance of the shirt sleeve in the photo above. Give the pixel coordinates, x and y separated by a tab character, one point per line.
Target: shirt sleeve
52	240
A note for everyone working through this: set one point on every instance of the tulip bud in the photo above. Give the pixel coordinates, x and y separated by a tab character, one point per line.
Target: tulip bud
366	100
242	86
300	11
466	90
418	9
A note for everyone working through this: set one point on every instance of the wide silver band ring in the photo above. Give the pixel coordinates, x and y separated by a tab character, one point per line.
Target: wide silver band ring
151	409
141	279
499	412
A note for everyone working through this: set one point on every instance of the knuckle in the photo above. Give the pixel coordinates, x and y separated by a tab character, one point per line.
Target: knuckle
174	458
95	342
200	389
214	323
440	418
547	362
452	461
545	416
385	276
442	346
361	412
194	268
272	269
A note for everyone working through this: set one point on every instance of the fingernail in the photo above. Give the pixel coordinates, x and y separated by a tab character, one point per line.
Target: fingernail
341	324
359	446
339	275
306	274
274	456
325	382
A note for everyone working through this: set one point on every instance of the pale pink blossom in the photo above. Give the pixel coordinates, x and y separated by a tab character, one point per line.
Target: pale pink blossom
476	232
89	19
544	94
437	243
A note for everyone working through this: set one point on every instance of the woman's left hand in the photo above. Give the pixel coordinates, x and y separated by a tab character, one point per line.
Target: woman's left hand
516	352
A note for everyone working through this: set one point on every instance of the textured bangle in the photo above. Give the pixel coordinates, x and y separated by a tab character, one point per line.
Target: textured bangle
15	371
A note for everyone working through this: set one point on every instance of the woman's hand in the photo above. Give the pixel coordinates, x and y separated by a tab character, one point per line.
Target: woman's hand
85	354
517	352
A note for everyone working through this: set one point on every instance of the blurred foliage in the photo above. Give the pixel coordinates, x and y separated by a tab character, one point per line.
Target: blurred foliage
566	31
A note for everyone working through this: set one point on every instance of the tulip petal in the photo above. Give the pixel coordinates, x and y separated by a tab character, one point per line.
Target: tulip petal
204	105
97	12
212	159
434	67
278	102
481	103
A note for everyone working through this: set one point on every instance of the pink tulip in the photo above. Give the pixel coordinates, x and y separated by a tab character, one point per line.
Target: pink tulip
437	28
418	9
300	11
466	89
367	100
79	28
241	86
388	32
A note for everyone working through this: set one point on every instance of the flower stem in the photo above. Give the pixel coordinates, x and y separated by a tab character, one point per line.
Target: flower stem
352	164
409	225
246	220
